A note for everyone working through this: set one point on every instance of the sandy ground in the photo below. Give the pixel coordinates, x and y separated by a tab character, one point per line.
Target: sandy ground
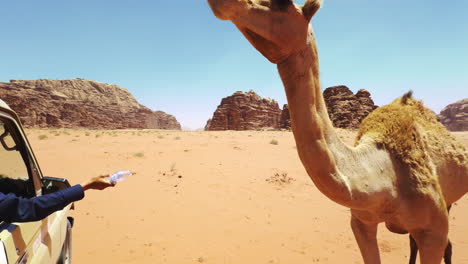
209	197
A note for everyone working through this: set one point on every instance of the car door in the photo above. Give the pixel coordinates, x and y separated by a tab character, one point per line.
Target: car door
32	242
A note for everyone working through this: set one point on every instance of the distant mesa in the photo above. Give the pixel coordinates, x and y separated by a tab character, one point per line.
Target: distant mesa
455	116
249	111
245	111
79	103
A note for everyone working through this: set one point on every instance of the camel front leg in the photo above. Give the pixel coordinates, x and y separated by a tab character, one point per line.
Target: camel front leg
414	248
431	244
414	252
448	253
448	249
366	237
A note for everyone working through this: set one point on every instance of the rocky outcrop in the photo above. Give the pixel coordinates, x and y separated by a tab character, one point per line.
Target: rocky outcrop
248	111
208	124
80	103
285	120
162	120
245	111
347	110
455	116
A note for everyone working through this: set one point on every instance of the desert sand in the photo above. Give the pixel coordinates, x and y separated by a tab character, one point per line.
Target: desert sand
209	197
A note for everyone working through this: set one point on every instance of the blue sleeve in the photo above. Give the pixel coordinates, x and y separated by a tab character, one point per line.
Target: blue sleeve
19	209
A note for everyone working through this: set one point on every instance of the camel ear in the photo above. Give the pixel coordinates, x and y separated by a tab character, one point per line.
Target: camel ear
310	8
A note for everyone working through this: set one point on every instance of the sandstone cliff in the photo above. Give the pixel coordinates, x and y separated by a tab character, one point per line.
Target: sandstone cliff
80	103
245	111
347	110
455	116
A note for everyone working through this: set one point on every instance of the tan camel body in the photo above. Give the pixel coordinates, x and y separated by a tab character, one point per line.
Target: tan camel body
405	168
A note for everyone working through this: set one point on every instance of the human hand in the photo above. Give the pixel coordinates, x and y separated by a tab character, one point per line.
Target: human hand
98	183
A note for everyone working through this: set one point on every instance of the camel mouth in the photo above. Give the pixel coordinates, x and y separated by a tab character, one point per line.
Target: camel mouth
266	47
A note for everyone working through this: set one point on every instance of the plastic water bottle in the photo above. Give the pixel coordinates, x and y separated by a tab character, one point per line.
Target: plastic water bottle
120	176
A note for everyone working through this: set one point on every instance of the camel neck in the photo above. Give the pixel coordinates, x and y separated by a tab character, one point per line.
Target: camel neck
311	126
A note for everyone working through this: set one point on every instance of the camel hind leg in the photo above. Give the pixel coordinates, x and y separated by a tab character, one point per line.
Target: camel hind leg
413	250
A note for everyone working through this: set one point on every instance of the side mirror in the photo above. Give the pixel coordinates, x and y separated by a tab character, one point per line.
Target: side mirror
52	184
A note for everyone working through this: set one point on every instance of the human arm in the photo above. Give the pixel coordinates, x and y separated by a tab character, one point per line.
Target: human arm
19	209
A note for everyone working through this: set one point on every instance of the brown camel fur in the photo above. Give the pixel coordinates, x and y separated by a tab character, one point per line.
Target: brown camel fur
405	169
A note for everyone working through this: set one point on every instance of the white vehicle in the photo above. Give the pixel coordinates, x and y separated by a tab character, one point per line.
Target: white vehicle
45	241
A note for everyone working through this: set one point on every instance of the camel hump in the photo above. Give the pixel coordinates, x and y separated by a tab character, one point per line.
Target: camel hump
412	134
406	96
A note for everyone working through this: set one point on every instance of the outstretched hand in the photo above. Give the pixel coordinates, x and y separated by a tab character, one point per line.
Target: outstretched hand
98	183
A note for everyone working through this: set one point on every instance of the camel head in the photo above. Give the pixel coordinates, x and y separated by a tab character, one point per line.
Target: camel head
276	28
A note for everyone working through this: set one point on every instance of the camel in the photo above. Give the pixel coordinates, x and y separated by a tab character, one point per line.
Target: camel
405	168
414	249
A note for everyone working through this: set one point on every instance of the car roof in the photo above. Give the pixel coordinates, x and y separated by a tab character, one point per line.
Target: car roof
5	108
4	105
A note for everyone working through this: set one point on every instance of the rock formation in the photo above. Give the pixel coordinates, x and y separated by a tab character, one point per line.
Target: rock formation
285	120
245	111
248	111
208	125
80	103
347	110
455	116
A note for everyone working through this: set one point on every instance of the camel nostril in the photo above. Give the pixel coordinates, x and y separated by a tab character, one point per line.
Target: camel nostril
281	5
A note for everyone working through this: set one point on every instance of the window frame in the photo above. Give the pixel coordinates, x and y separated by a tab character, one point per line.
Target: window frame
22	143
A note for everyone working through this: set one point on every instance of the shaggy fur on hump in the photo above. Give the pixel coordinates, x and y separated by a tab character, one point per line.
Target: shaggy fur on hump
411	133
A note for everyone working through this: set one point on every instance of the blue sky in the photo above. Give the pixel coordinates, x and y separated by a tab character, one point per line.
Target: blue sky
175	56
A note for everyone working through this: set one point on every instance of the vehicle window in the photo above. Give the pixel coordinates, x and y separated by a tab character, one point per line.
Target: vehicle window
14	177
